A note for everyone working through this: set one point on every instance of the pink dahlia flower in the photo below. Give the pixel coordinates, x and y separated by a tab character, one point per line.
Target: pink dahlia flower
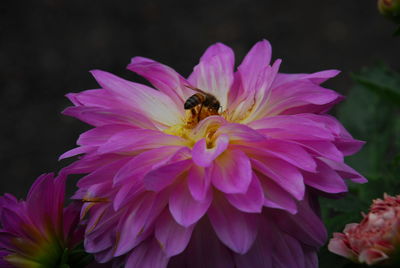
221	177
376	238
38	232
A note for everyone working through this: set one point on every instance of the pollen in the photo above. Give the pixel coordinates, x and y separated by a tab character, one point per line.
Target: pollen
192	128
177	130
210	137
192	134
182	131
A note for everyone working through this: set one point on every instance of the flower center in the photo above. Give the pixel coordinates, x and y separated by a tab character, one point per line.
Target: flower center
198	113
210	138
181	131
202	119
195	127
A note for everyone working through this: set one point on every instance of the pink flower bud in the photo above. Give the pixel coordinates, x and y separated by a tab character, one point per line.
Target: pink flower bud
390	9
373	240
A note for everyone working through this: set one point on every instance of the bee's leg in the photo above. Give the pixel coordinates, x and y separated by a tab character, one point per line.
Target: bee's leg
199	114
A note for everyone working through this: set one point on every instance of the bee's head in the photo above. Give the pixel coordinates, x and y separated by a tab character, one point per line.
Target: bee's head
215	105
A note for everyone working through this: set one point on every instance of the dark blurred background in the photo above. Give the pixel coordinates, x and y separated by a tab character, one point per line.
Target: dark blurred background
48	47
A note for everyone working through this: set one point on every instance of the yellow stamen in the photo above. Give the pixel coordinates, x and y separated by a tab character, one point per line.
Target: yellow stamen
181	131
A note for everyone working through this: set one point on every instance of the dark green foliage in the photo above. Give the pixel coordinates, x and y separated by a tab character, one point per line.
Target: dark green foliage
371	113
397	32
77	258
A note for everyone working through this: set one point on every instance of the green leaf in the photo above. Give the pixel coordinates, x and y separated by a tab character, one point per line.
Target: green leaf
79	258
390	94
397	32
64	259
371	113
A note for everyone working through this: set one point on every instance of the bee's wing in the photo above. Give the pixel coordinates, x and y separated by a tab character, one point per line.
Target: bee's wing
197	89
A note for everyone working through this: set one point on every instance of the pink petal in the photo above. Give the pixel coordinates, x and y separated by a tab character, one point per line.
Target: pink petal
140	216
100	191
291	153
100	135
311	257
276	197
256	59
104	173
285	150
8	200
203	156
3	262
76	151
138	139
235	229
204	126
162	77
184	208
89	163
127	193
338	246
273	248
297	94
45	201
239	133
99	234
254	63
141	97
148	255
325	179
285	175
288	251
103	257
172	237
73	231
343	140
253	82
252	201
293	127
141	164
372	256
199	182
263	91
317	78
349	146
11	219
323	148
344	170
204	250
327	121
259	256
306	226
99	117
159	178
100	98
97	211
214	73
231	172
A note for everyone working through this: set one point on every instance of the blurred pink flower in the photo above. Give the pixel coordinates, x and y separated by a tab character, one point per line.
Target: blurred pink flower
375	238
37	232
155	169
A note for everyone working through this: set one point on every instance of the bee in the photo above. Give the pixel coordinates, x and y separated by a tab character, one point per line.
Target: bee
202	104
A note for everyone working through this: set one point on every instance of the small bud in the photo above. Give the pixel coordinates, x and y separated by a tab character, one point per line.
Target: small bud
390	9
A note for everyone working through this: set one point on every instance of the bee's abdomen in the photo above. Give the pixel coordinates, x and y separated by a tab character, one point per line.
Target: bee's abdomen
193	101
